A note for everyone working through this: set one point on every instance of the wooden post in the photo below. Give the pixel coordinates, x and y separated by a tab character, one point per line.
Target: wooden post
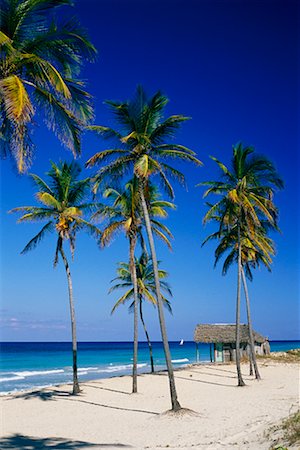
210	353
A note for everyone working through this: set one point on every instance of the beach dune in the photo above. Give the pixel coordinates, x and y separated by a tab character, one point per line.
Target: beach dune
107	415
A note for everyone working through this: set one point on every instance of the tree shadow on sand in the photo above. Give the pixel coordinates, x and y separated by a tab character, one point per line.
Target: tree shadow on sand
205	382
95	386
198	381
68	396
102	405
42	395
219	375
21	442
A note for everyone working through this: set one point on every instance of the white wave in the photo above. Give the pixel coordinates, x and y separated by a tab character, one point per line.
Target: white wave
180	360
29	388
2	380
80	369
32	373
111	369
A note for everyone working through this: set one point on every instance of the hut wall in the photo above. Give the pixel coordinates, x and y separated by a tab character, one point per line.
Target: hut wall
218	352
258	349
227	353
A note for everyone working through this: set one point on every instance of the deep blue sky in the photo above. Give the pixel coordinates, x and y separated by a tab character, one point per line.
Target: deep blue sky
232	67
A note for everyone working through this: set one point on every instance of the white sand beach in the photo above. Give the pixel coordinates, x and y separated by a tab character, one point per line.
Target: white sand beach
107	415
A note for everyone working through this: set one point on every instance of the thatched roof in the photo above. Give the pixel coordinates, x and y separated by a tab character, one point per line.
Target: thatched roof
224	333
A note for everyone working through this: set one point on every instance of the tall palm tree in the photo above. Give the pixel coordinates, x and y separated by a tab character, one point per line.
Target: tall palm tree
146	290
125	213
246	200
255	249
260	250
143	149
40	63
62	206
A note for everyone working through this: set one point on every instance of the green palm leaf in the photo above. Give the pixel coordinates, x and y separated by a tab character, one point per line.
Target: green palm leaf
63	195
16	100
40	65
146	288
36	239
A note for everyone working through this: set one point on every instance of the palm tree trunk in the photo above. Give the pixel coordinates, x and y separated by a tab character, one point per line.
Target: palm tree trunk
132	244
147	335
238	306
143	245
76	389
250	364
252	349
174	401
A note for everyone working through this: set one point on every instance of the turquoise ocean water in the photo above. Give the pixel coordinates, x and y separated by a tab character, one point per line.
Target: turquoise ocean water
30	365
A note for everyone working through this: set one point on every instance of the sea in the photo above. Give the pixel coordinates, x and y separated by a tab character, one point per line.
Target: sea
33	365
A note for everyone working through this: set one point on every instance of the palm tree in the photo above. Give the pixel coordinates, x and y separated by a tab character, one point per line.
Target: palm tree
260	250
255	249
40	64
62	208
142	149
146	290
246	200
125	213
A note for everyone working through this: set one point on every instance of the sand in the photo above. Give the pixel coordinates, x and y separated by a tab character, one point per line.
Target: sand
107	415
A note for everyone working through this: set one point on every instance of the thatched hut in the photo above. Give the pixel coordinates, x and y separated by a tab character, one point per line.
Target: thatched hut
221	338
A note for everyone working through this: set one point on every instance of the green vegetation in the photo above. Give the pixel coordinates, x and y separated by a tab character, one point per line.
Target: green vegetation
40	64
291	356
145	287
294	352
243	215
124	213
291	429
287	433
62	208
144	151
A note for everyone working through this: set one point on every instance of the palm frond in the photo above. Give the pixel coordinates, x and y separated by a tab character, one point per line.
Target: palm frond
80	102
119	286
177	154
109	232
167	129
103	155
38	215
37	238
16	100
57	250
41	184
44	73
174	173
114	170
105	132
60	120
162	236
48	200
162	227
224	168
123	299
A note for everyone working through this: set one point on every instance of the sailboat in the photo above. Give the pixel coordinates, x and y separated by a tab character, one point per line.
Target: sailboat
181	342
